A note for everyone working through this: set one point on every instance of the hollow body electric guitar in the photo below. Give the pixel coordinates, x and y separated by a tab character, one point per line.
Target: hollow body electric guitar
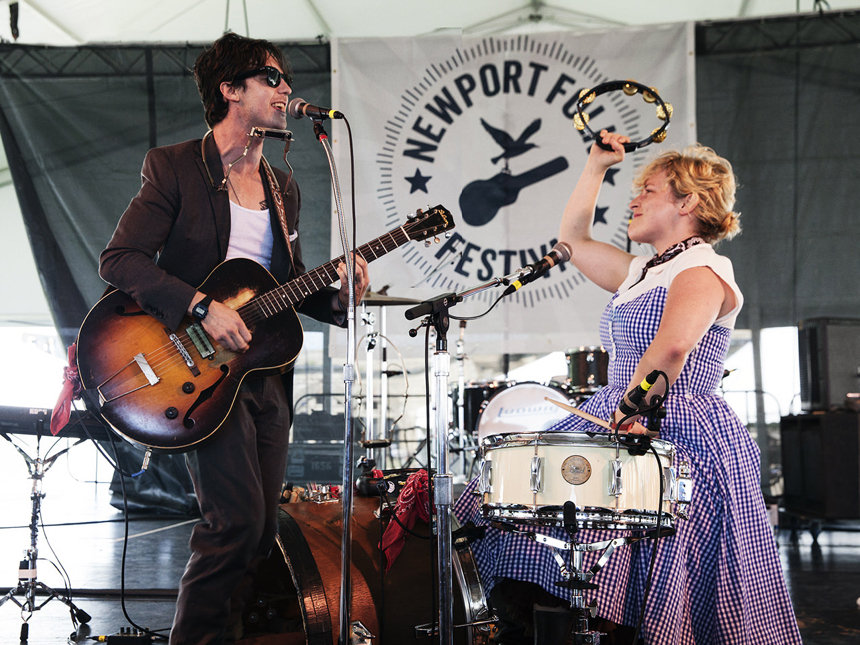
170	390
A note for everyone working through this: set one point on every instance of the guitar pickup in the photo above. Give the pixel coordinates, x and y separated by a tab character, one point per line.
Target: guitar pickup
200	340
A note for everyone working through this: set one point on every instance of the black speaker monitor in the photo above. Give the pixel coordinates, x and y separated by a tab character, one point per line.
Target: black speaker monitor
829	361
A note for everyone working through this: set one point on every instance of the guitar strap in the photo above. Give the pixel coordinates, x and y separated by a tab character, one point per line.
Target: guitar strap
278	198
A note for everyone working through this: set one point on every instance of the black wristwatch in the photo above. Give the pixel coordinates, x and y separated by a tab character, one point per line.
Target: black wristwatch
201	309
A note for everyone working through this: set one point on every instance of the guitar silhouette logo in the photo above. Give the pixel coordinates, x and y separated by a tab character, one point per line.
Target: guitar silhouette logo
481	200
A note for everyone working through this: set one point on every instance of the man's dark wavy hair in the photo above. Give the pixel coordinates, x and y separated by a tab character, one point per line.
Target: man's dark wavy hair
229	56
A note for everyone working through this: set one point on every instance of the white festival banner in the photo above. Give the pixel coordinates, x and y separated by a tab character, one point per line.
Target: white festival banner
483	126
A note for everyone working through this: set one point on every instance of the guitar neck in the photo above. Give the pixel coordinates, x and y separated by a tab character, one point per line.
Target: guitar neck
294	291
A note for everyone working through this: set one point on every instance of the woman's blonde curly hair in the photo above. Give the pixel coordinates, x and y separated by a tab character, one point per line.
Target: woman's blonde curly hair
699	170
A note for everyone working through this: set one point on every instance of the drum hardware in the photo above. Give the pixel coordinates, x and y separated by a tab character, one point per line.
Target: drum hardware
575	578
684	490
434	312
535	471
616	483
376	440
360	634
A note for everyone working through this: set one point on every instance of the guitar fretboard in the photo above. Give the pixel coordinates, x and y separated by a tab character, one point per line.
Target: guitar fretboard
285	296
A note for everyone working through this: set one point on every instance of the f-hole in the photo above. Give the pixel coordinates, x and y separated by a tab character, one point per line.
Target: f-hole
205	395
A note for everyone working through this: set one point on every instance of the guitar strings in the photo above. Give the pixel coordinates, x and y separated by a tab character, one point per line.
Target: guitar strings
166	358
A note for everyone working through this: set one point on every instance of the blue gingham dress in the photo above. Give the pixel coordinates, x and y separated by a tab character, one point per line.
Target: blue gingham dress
718	580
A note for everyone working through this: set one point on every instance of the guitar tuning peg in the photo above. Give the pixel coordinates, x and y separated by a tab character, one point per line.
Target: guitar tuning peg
436	239
427	243
447	235
410	215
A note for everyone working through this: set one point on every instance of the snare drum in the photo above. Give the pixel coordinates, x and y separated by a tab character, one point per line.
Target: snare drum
527	478
587	369
522	408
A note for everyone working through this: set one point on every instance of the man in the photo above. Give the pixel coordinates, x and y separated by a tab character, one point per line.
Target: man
202	202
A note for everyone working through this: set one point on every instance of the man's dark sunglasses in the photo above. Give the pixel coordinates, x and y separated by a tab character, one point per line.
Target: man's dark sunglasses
273	76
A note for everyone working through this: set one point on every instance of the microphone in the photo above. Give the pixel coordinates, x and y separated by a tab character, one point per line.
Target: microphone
559	254
632	401
299	108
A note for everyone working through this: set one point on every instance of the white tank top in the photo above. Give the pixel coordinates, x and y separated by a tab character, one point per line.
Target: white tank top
250	235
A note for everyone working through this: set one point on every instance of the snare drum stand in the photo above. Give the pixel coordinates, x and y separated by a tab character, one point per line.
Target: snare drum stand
575	579
27	572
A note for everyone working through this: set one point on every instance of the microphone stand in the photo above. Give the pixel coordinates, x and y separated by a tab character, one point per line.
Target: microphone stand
348	379
435	311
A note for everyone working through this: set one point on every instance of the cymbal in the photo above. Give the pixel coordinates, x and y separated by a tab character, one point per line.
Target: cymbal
372	299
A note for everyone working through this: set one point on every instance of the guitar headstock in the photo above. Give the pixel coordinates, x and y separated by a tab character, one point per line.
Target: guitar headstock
429	223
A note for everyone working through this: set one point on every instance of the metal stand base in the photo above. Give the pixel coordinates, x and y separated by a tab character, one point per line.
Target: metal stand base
28	583
28	606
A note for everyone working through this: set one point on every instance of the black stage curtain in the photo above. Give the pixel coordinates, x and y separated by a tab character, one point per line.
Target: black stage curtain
76	124
781	100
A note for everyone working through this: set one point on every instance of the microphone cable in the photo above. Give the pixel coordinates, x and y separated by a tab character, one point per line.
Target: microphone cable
114	463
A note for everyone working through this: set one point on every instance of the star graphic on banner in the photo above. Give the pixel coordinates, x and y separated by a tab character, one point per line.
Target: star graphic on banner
599	215
418	181
609	178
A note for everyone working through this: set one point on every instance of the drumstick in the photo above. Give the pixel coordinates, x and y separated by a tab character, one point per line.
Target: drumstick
601	422
580	413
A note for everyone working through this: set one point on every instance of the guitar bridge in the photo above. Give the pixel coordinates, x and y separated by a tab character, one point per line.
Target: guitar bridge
145	368
200	340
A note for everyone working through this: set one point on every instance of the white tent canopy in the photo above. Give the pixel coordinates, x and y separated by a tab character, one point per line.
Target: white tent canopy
78	22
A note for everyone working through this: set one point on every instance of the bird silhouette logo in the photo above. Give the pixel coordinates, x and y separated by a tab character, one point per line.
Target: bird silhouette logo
481	200
510	147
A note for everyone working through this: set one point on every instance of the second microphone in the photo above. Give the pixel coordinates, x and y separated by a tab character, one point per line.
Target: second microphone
559	254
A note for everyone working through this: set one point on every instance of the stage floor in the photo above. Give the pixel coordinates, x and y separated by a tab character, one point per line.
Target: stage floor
84	534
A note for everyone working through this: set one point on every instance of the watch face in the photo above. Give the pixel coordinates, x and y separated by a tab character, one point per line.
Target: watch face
200	311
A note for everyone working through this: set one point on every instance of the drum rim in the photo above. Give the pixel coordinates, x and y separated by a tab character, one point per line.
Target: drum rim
515	384
510	439
600	518
584	349
487	381
476	607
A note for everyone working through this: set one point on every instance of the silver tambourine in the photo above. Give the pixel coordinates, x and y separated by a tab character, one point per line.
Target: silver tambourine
630	88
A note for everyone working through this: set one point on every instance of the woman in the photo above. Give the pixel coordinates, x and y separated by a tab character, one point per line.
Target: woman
718	580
